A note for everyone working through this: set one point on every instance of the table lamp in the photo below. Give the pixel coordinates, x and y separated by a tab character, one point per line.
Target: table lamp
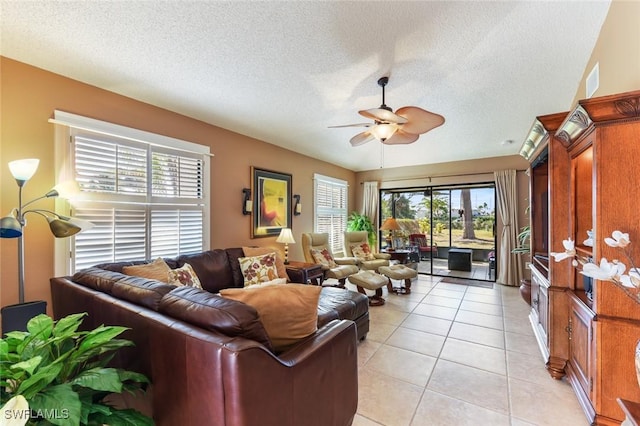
390	224
286	237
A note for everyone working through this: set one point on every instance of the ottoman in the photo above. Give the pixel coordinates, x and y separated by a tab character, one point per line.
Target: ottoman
398	272
371	281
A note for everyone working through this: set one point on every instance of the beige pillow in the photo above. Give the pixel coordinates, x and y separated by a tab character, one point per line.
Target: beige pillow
156	270
289	312
257	251
184	276
258	269
362	251
323	257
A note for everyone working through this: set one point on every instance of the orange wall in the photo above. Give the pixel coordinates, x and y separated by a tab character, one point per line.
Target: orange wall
28	98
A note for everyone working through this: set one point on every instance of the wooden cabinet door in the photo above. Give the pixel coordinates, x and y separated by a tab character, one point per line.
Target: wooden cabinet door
580	365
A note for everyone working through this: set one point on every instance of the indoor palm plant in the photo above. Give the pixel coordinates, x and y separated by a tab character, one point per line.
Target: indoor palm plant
62	373
361	222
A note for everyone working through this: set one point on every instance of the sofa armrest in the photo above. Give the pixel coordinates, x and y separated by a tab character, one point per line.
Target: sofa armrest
346	260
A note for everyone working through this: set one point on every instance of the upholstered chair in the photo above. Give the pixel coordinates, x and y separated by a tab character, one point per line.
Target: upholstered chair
356	244
317	250
426	247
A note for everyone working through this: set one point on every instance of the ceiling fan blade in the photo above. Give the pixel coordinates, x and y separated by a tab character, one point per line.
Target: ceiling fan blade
353	125
419	120
362	138
381	114
401	137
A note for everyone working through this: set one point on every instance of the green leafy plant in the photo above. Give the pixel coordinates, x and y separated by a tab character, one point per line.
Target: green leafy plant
63	373
523	241
361	222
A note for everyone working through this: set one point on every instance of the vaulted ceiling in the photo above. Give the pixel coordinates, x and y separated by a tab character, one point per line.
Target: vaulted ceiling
283	72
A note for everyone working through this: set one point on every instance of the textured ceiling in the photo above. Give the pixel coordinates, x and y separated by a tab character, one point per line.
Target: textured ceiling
283	72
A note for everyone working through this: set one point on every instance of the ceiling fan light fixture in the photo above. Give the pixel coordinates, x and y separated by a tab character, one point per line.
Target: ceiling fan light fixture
383	131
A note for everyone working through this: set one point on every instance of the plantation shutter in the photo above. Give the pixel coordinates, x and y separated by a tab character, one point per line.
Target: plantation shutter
331	209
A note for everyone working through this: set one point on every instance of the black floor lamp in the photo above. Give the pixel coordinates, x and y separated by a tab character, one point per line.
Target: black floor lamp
15	317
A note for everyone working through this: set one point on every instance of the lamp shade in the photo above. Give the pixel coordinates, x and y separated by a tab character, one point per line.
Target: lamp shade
383	131
61	228
390	224
23	170
286	236
10	227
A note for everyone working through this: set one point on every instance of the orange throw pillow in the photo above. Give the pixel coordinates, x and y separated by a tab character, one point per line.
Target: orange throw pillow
156	270
289	312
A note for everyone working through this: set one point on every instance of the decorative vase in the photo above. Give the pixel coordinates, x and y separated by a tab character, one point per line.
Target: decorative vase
525	290
638	361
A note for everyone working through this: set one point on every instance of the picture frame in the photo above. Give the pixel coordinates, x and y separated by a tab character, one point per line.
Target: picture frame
271	202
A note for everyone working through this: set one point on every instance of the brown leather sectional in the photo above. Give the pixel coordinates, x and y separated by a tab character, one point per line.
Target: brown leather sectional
208	358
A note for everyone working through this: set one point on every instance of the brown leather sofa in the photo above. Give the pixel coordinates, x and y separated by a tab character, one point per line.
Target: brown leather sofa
208	358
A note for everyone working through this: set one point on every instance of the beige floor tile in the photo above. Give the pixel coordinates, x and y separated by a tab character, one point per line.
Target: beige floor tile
454	287
441	301
480	319
366	348
427	324
363	421
519	326
560	405
516	311
435	311
440	410
481	290
380	332
528	367
402	364
447	293
478	387
417	341
492	299
523	343
400	303
386	400
519	422
475	355
386	315
473	333
483	308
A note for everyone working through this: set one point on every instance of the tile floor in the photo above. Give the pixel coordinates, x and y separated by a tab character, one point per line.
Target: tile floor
450	354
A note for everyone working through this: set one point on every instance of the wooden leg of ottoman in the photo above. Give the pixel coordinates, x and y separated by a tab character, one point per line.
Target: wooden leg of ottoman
376	299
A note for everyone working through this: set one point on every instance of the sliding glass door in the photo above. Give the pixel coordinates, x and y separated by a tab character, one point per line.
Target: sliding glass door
448	230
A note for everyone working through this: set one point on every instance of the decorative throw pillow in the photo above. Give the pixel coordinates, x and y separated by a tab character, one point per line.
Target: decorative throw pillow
257	269
184	276
258	251
323	257
156	270
362	251
289	312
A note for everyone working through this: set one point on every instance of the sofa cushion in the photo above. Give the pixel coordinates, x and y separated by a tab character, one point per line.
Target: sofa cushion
157	270
258	269
214	313
347	304
289	312
185	275
212	268
97	278
257	251
141	291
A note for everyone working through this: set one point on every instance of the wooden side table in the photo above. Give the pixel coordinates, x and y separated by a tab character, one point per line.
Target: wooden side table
303	272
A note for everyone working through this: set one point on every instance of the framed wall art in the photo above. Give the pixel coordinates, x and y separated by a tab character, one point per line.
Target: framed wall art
271	202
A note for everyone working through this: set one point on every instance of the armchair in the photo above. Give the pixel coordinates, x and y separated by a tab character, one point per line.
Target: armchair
426	247
316	250
356	244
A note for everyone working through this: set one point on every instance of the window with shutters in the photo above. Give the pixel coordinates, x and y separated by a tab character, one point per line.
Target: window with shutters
145	194
331	209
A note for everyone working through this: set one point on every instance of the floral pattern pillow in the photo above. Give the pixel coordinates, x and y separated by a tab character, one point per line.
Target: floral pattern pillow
258	269
184	276
323	257
362	251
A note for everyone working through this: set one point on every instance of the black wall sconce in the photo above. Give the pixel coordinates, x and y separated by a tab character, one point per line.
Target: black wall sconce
297	205
246	201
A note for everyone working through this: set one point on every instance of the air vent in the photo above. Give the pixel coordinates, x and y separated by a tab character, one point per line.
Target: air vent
593	80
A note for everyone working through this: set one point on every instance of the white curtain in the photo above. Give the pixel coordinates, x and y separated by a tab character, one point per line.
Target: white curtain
370	201
509	267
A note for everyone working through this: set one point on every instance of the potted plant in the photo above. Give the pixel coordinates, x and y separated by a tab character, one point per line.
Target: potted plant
62	373
361	222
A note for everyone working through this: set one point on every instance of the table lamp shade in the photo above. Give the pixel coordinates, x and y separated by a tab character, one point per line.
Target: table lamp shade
390	224
286	236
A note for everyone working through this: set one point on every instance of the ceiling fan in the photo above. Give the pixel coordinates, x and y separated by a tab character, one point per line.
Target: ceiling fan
402	127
